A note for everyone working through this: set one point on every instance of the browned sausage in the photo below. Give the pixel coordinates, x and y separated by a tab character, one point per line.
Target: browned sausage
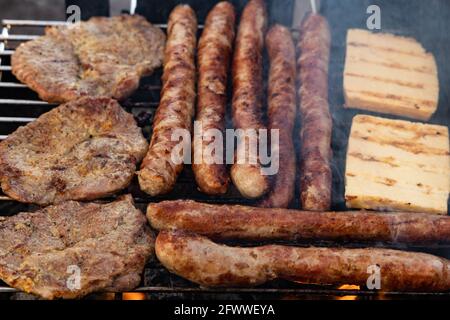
282	111
247	97
201	261
225	222
159	172
214	54
315	174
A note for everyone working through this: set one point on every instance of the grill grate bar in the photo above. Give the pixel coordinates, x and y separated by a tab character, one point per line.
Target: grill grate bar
12	85
32	23
328	292
6	52
143	104
16	119
25	102
35	23
147	200
18	37
151	87
334	292
151	104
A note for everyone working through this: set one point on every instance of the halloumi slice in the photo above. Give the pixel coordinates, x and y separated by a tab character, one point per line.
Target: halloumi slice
390	74
397	165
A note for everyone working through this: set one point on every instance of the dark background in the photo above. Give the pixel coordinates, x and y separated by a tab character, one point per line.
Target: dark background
156	11
281	10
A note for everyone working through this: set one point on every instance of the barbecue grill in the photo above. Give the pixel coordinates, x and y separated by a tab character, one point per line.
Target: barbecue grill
19	105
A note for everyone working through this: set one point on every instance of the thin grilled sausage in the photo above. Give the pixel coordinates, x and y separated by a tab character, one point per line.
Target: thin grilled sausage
201	261
247	98
225	222
159	171
214	55
282	111
315	174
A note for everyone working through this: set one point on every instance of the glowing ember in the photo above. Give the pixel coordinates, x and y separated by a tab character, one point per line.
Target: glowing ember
348	287
133	296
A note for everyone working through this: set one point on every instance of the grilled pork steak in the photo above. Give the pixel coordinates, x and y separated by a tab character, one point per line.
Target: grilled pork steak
101	57
85	149
107	245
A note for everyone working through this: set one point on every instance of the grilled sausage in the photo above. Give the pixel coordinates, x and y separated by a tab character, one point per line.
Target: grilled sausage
247	98
159	171
315	174
201	261
223	222
214	54
282	110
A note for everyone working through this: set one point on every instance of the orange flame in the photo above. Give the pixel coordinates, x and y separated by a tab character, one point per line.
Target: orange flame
133	296
348	287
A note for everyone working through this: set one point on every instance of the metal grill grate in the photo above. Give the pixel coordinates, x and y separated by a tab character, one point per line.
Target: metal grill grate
19	105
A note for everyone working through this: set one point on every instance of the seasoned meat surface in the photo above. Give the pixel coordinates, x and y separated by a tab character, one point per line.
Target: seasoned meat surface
282	105
215	48
316	122
247	102
85	149
160	170
100	57
107	245
202	261
225	222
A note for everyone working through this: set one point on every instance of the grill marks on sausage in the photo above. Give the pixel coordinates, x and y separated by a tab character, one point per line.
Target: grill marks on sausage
214	54
158	172
282	112
247	95
199	260
315	174
225	222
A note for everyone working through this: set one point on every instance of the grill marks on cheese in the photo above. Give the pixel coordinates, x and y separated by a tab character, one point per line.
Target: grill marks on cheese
394	164
391	74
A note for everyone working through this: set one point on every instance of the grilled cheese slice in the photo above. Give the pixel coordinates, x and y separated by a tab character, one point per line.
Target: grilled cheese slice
397	165
390	74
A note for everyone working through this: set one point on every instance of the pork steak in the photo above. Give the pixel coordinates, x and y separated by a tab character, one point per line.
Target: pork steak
82	150
72	249
100	57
